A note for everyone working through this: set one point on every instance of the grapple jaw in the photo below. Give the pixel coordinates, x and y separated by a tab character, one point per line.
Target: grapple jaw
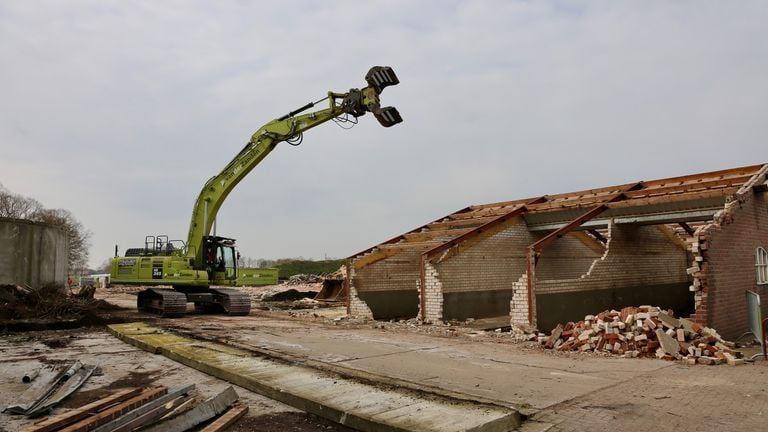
381	77
358	102
388	116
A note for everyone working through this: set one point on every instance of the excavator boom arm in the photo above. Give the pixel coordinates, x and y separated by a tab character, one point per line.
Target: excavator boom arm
286	128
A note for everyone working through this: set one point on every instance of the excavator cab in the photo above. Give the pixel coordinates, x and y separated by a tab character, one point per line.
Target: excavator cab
220	258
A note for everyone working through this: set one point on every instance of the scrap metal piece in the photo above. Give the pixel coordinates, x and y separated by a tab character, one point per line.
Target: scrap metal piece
207	410
48	377
129	417
72	380
155	415
29	376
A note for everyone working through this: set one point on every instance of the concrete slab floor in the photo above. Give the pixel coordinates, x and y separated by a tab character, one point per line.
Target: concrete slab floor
571	392
500	373
367	406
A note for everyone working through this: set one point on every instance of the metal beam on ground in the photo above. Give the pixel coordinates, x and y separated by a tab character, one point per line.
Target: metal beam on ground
207	410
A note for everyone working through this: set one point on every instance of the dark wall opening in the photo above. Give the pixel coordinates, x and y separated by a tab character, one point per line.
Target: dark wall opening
385	305
476	304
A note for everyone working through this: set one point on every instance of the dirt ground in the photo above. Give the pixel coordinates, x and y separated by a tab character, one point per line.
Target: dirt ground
564	391
30	343
123	366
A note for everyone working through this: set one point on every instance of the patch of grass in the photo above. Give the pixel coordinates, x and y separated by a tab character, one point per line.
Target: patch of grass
291	268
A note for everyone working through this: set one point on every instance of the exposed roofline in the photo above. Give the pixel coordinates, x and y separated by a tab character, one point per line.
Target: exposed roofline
473	221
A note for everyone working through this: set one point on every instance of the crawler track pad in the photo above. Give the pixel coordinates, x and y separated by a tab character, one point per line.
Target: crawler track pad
233	301
165	302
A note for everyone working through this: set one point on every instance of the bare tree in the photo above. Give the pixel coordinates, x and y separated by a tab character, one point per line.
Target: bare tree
79	237
20	207
17	206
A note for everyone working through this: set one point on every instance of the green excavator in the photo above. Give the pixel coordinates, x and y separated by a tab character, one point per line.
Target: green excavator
201	269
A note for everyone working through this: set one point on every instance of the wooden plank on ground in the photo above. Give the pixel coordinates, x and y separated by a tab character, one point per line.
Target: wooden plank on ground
118	423
117	410
69	417
228	419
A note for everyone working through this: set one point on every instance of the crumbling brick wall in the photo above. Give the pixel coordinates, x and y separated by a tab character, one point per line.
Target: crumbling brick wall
642	263
567	258
518	306
433	295
388	288
356	307
477	281
480	281
724	267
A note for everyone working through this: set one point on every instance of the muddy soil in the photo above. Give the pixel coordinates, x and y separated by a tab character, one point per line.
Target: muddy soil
287	422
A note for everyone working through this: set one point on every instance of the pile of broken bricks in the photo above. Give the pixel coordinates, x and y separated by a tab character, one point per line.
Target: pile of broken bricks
644	331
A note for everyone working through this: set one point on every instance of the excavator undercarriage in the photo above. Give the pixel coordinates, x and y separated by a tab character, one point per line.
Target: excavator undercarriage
172	303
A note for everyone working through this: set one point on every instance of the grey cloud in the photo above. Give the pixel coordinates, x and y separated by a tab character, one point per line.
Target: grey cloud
120	111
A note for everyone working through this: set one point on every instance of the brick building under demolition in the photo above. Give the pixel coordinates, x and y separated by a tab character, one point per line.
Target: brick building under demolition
687	243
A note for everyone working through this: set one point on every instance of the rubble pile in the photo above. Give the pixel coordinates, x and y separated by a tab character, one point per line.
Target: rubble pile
304	279
50	301
644	331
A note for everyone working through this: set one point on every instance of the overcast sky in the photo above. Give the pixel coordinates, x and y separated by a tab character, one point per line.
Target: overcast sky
120	111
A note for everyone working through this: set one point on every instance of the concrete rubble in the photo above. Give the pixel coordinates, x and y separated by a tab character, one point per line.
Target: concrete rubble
645	331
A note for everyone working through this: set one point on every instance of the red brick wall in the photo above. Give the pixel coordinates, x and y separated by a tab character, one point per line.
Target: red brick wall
729	264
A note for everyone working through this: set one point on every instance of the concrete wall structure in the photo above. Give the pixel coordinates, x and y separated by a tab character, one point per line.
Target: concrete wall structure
32	254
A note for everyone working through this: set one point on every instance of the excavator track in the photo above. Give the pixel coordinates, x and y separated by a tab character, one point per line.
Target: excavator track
233	301
165	302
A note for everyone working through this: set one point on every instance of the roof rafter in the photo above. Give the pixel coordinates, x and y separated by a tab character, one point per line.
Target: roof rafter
488	228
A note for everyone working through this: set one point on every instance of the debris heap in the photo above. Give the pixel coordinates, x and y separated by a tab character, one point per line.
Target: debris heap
644	331
304	279
48	302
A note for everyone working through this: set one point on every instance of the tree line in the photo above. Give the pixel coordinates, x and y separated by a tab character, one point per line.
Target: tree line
20	207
